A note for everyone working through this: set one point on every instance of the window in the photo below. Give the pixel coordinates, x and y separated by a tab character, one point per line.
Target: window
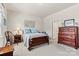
0	21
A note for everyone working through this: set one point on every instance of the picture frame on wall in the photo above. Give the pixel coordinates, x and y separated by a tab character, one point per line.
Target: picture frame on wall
29	23
70	22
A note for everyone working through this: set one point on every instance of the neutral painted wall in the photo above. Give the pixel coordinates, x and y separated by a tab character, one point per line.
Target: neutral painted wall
16	19
58	20
47	22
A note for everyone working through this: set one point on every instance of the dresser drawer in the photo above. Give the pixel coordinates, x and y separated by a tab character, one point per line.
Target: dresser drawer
73	44
66	42
67	29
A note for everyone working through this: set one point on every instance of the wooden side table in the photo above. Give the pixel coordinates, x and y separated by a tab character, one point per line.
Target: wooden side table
18	38
6	51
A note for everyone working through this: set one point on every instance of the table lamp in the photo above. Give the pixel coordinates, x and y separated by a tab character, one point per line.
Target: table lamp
18	31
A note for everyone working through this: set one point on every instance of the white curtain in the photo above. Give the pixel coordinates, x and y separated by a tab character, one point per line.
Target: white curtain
0	22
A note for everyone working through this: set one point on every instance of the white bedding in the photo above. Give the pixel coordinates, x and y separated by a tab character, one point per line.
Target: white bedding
28	36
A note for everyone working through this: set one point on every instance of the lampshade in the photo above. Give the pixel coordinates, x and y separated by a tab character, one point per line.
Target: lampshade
17	28
18	31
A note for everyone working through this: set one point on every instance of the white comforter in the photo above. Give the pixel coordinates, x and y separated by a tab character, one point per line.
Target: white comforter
28	36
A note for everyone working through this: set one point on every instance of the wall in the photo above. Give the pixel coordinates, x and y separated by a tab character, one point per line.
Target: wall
58	19
47	22
16	19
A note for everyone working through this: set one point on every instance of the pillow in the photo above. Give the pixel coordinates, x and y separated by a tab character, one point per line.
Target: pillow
27	31
34	30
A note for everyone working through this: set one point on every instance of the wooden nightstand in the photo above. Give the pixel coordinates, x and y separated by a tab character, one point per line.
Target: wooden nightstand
18	38
7	51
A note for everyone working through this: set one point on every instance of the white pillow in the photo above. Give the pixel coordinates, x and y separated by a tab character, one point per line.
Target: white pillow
34	30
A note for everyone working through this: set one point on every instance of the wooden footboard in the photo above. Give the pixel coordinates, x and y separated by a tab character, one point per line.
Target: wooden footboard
37	41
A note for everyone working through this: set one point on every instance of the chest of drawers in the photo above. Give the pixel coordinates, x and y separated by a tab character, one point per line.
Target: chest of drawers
69	36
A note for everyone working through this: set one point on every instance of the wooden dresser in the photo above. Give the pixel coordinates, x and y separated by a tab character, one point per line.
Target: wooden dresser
69	36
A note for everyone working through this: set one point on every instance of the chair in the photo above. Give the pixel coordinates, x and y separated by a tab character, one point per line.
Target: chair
9	37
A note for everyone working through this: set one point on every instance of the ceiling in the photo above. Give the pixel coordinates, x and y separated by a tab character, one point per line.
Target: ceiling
37	9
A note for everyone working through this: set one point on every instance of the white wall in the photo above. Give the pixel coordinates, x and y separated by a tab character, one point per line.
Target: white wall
16	19
51	22
58	19
47	22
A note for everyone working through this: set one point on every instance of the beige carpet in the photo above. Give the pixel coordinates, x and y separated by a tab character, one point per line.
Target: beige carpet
53	49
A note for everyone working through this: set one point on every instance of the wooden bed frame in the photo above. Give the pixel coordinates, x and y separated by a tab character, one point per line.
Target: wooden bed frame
37	41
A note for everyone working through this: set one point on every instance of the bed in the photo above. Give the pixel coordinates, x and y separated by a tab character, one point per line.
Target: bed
34	38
